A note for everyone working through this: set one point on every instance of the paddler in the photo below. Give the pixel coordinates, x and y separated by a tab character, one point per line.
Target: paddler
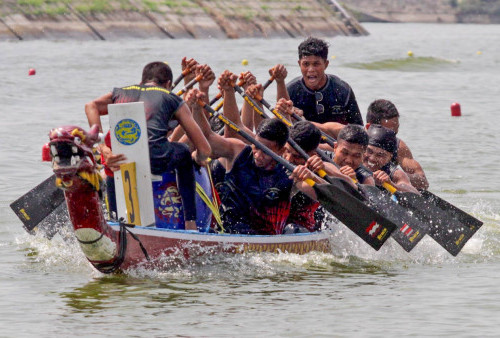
303	211
385	113
161	107
382	144
322	97
349	152
256	190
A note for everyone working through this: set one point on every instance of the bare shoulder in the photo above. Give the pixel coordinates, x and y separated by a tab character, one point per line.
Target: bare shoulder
403	151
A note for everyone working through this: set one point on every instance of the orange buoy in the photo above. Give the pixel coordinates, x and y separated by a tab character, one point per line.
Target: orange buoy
32	71
46	153
455	109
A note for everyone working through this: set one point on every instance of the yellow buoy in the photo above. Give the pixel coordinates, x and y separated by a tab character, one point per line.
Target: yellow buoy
479	52
410	53
244	62
333	57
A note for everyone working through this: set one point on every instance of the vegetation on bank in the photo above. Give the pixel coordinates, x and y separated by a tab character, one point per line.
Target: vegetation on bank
247	10
52	8
231	9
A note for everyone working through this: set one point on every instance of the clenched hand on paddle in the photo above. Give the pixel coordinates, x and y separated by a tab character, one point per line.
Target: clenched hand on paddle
369	225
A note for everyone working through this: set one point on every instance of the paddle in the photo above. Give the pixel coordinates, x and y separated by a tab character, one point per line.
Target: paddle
447	226
38	203
180	77
268	82
219	95
411	229
365	222
325	137
189	85
473	223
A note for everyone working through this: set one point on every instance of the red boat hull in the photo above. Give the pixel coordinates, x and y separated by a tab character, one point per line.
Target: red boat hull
164	246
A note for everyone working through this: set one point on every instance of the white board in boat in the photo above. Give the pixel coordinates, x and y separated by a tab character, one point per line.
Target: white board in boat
129	136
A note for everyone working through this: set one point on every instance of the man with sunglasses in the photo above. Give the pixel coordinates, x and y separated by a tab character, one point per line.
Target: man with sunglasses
322	97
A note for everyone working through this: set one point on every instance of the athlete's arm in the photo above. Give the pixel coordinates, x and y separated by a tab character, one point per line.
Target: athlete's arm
279	71
399	180
253	91
221	147
226	81
207	80
315	163
94	109
331	128
193	131
411	167
247	113
301	173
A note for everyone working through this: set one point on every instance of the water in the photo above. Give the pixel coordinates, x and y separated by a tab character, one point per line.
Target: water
48	288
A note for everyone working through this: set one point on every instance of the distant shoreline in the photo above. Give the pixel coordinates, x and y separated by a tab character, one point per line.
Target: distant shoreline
173	19
202	19
426	11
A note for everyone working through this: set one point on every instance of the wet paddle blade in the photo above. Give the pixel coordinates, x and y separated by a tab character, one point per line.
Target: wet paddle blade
452	237
55	221
473	223
365	222
445	228
410	229
38	203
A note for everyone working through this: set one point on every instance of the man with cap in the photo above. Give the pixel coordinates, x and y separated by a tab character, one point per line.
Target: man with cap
385	113
382	143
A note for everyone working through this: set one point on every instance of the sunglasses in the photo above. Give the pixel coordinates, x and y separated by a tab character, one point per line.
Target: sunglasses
320	109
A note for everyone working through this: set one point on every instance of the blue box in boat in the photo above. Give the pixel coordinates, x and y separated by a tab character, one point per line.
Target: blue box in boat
169	213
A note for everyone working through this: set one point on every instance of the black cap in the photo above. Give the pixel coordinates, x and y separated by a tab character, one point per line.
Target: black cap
382	137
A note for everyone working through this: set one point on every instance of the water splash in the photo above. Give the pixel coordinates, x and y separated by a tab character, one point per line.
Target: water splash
409	64
349	254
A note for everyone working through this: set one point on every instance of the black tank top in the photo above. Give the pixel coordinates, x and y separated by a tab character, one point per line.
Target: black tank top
248	186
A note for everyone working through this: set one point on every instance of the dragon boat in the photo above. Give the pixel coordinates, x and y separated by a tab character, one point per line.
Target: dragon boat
135	241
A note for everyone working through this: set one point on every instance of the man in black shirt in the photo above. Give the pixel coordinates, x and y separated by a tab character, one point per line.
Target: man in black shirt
322	97
161	106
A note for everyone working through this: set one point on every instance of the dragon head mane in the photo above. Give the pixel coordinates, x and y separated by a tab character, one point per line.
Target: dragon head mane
70	148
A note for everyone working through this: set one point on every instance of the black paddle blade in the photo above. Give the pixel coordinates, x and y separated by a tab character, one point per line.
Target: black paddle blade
445	228
365	222
451	236
34	206
55	221
473	223
410	229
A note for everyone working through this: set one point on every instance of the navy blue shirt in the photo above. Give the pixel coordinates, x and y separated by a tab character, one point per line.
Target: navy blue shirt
336	98
160	106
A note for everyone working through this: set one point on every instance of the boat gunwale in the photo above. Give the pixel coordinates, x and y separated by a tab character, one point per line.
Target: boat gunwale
225	238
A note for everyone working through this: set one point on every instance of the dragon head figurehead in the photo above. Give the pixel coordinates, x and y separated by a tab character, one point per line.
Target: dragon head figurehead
70	148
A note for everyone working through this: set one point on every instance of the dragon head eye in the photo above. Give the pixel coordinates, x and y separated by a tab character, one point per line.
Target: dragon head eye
78	140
